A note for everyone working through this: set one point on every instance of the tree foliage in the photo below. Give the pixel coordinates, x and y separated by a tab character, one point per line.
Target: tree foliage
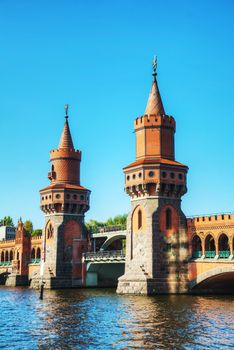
28	225
7	221
118	220
37	232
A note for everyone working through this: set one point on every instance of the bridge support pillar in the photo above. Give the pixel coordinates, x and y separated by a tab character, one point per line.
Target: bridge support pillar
14	280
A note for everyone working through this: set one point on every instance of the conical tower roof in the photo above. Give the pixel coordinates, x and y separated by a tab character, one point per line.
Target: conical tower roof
154	104
66	139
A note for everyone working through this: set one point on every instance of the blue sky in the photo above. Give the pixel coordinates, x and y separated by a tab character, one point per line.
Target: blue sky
96	56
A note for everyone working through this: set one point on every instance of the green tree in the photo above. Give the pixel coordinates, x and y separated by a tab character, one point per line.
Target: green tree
7	221
28	226
37	232
118	220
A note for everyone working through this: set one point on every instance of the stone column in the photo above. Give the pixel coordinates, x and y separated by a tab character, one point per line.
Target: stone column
216	248
203	247
230	242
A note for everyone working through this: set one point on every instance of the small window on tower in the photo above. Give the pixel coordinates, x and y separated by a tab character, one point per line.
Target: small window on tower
50	231
168	219
139	219
151	174
52	167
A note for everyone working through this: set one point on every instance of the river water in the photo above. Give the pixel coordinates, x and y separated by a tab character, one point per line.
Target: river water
100	319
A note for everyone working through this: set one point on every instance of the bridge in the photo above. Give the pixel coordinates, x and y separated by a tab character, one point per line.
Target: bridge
105	264
107	236
103	268
210	262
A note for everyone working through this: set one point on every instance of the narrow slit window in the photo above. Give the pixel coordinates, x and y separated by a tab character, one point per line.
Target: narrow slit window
139	219
168	219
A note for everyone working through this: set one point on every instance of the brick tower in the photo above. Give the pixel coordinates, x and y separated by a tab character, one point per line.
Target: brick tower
156	243
64	203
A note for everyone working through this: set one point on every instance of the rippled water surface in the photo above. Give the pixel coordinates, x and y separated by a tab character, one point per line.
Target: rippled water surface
100	319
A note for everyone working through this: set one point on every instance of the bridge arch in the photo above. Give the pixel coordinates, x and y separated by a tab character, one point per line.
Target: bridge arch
112	239
33	253
11	255
223	242
38	254
210	248
214	279
196	246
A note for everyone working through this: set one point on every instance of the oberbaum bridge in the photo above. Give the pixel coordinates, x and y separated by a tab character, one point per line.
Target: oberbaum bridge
160	250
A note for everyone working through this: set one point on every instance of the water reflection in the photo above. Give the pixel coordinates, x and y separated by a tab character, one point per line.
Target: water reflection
100	319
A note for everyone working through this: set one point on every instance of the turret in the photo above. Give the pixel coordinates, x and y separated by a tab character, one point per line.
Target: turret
155	171
64	194
64	202
156	240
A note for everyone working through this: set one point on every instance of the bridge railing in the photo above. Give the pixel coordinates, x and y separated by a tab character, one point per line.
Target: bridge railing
209	254
5	263
104	255
224	254
35	261
108	229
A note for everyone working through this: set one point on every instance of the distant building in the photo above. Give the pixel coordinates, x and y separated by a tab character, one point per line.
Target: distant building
7	232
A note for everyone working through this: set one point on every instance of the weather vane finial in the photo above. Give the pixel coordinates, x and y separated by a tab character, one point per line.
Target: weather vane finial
66	111
154	64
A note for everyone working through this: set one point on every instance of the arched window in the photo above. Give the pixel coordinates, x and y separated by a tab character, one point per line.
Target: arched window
52	167
7	256
38	253
50	231
196	247
224	249
33	253
17	255
209	247
139	219
168	219
2	257
11	255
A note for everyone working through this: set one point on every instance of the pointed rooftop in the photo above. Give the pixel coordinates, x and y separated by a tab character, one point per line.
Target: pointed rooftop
66	139
154	104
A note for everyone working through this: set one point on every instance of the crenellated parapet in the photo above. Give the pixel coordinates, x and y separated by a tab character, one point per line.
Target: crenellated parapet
152	120
211	236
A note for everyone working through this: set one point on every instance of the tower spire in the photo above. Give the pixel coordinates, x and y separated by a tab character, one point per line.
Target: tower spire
66	139
66	111
154	104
